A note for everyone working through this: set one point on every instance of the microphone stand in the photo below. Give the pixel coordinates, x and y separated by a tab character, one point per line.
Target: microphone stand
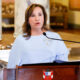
59	39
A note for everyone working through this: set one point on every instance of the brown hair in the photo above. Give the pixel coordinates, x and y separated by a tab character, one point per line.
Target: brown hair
26	25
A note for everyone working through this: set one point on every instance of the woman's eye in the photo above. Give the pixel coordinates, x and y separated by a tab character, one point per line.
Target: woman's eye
40	14
32	15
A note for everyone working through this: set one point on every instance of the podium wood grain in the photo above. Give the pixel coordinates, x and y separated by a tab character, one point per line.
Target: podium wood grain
60	72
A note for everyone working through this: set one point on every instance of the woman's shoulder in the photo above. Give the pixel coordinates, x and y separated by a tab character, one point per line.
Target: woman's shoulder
52	34
19	38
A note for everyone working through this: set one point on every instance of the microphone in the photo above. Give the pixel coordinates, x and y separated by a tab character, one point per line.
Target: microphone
59	39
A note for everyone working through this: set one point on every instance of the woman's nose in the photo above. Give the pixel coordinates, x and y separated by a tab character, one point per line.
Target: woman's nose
37	18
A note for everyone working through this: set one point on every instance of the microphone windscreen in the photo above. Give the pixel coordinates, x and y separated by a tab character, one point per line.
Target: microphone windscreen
44	33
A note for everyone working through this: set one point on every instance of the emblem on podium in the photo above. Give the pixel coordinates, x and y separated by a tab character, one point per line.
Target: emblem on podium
48	75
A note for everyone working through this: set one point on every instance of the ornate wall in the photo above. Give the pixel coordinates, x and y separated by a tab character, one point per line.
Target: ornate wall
0	22
20	7
7	1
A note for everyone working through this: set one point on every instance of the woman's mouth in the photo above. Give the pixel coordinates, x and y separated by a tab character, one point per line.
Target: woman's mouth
38	23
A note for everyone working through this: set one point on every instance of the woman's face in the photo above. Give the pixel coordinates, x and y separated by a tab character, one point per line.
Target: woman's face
36	20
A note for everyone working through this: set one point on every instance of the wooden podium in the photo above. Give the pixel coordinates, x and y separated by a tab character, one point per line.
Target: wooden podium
61	71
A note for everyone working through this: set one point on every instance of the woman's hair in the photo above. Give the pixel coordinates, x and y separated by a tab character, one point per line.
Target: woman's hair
28	13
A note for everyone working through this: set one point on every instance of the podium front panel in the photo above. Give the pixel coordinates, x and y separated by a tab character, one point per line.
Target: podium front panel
37	73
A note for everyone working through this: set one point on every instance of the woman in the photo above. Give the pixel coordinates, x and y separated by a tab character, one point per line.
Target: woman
33	47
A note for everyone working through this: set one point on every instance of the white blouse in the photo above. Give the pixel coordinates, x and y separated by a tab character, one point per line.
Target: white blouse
37	49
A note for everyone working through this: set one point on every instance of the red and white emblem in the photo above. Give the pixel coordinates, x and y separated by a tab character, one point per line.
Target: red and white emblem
47	75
